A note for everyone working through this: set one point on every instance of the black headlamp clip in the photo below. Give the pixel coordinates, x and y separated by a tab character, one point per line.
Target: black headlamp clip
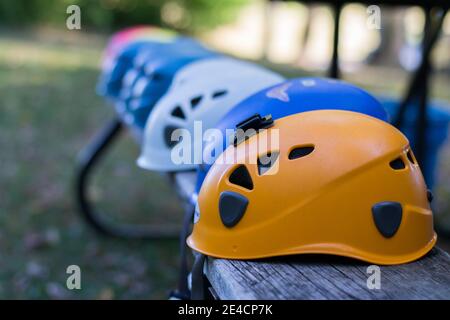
255	122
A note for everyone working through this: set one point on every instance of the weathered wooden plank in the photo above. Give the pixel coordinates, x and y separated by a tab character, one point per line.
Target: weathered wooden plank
326	277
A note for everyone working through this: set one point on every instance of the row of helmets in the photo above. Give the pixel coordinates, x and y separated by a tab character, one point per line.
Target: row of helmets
340	180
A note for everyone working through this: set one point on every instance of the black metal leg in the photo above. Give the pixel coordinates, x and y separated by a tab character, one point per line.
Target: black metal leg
183	292
87	160
418	88
416	79
199	289
334	66
422	119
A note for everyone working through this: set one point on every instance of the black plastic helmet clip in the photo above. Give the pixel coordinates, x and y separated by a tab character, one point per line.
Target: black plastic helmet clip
255	122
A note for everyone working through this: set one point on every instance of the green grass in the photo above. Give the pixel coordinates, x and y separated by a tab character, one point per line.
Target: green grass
48	112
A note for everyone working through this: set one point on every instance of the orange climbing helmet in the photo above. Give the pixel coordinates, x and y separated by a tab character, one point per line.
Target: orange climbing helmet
337	182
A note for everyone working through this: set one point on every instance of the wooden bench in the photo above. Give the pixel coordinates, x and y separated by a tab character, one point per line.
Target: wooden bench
325	277
322	276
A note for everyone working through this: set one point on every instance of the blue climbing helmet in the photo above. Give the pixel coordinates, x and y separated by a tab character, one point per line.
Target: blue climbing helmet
289	97
110	82
134	34
149	80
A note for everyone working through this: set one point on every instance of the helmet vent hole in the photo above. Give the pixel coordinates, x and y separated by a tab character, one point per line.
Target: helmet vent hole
178	112
219	94
266	161
241	177
397	164
195	101
168	130
300	152
410	157
157	76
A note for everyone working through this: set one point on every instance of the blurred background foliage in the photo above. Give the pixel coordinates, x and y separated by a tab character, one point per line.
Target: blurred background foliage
108	15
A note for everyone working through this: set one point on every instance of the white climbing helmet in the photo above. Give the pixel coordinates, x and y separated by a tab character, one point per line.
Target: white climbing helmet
202	91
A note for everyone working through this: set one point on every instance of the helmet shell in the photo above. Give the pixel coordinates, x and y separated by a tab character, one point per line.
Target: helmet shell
149	80
291	97
202	91
120	57
139	33
341	183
